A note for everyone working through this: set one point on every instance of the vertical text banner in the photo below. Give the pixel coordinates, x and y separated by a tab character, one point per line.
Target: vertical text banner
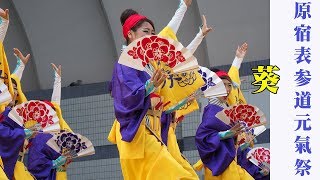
295	109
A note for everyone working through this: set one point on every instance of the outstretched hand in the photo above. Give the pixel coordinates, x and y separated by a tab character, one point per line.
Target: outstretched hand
4	14
187	2
56	69
23	58
205	29
242	50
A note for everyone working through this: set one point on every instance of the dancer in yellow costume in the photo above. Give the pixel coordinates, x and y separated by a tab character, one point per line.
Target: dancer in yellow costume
55	100
20	171
18	96
4	15
170	32
137	130
4	67
56	97
40	162
13	83
215	140
228	167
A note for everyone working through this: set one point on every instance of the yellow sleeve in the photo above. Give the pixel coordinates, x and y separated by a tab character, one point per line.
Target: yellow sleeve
187	108
63	124
234	75
5	73
21	97
167	32
61	176
235	97
113	133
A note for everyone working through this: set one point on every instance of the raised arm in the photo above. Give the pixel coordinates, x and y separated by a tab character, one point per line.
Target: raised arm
4	23
56	94
175	22
240	53
203	31
21	62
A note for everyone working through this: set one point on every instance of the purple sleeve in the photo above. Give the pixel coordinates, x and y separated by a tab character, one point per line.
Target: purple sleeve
216	154
4	114
165	124
11	141
252	169
40	158
130	103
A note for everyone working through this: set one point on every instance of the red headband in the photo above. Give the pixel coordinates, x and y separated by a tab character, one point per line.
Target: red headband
130	22
222	74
